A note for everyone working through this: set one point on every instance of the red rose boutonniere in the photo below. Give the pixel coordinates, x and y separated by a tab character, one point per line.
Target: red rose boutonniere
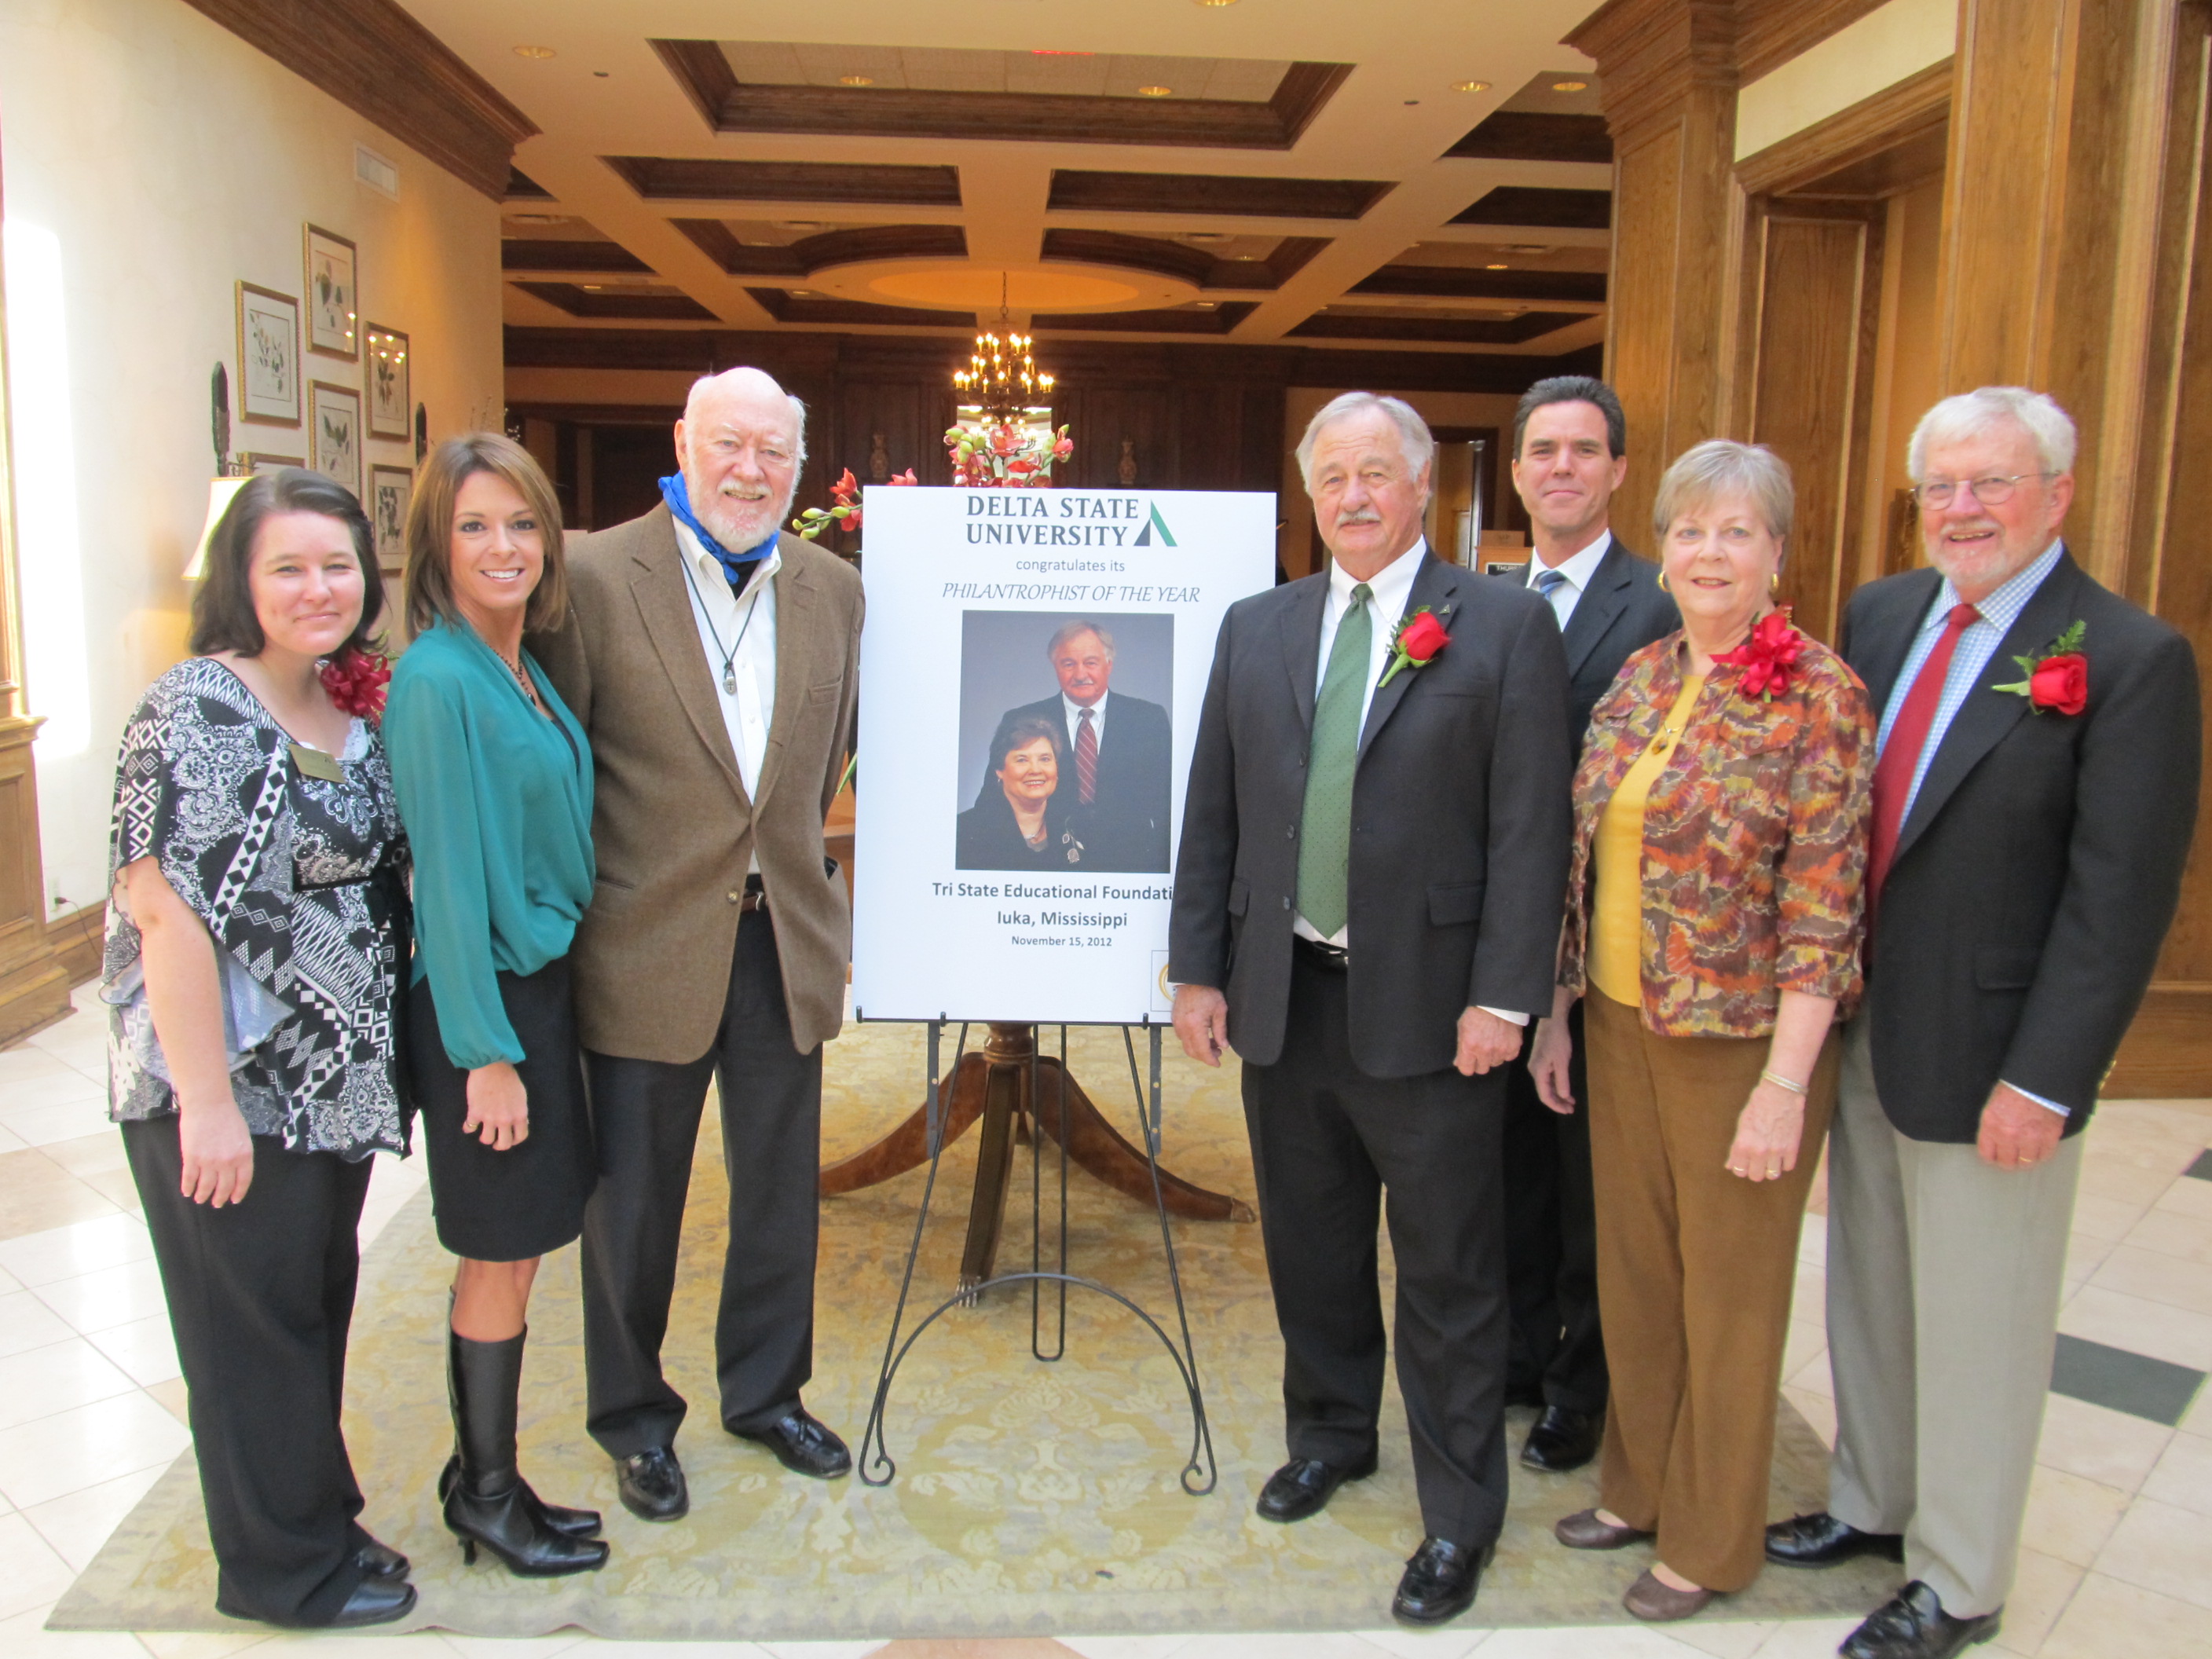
2058	680
1769	657
1415	645
357	682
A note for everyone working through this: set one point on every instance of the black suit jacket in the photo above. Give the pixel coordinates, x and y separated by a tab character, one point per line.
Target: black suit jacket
1622	611
1125	826
1460	822
2039	867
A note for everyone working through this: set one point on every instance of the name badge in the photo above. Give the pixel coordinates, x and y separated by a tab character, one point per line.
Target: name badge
314	763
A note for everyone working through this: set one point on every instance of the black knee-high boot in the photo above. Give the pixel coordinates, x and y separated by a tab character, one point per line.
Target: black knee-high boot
486	1500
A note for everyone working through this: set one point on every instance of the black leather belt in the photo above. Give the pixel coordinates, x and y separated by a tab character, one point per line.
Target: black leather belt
1330	959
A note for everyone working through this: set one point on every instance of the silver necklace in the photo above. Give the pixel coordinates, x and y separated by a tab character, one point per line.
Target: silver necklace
730	656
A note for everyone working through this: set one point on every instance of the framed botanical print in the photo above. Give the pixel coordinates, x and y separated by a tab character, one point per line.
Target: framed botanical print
385	379
391	490
333	308
334	432
268	356
258	461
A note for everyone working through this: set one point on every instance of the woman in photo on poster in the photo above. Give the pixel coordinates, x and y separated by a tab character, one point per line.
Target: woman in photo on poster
1016	823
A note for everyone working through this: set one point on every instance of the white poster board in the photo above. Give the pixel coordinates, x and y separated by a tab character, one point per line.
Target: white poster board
985	888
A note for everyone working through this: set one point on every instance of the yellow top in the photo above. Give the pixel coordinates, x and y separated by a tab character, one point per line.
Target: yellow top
1616	929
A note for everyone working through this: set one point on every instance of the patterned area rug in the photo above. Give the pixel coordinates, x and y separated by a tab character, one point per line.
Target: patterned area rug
1031	1499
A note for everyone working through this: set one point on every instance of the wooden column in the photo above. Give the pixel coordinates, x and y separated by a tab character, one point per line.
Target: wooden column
34	985
1669	71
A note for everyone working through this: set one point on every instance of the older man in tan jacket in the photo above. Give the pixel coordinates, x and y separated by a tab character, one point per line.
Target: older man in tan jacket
712	661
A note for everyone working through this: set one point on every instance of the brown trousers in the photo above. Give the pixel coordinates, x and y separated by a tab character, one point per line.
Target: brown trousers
1694	1272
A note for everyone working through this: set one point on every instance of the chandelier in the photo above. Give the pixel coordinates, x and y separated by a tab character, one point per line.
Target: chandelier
1001	377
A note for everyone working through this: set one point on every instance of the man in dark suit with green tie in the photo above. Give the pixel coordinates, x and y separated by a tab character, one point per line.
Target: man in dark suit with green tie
1367	908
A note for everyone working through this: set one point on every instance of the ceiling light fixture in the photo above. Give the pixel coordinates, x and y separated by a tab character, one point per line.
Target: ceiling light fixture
536	54
856	80
1154	92
1001	377
1570	86
1470	86
1494	267
1214	5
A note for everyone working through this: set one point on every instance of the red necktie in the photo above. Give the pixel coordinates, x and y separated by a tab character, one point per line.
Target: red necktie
1086	757
1900	756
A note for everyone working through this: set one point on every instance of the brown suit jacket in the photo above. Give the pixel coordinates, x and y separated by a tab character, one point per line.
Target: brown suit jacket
672	825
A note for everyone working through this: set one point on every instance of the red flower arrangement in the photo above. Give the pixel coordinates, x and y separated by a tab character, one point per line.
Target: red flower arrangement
1769	657
846	492
1415	645
998	457
355	682
2058	681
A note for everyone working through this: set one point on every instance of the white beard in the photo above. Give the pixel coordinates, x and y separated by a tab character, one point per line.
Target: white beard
737	525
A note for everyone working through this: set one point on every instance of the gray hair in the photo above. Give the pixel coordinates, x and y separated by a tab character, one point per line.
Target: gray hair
1415	441
1718	468
798	413
1068	630
1970	414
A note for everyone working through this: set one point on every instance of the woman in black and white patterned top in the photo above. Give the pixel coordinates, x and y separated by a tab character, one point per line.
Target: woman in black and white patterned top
256	948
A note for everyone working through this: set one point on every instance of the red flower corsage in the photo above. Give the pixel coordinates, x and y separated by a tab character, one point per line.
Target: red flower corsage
1769	657
1417	641
2058	680
355	682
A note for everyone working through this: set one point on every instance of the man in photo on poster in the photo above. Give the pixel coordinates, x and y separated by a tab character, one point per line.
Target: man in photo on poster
1113	797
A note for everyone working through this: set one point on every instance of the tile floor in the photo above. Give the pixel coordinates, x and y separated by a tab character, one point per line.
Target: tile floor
2117	1555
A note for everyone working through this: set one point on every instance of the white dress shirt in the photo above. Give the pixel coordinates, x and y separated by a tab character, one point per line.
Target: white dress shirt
743	631
1073	710
1388	590
1578	571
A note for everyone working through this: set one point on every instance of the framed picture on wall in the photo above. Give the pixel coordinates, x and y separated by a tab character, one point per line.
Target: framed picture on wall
268	356
258	461
333	307
334	432
386	380
391	488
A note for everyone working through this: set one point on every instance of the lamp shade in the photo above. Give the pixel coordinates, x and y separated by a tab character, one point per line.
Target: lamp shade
220	492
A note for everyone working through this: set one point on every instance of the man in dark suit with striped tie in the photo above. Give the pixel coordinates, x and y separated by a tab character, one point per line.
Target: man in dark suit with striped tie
1367	908
1120	769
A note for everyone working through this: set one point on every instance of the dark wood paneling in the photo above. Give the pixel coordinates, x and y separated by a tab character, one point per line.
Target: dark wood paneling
1520	135
628	463
1459	282
728	105
787	307
1152	253
709	179
1213	194
617	304
1530	204
1460	330
2168	1055
1219	320
381	64
521	187
836	247
517	253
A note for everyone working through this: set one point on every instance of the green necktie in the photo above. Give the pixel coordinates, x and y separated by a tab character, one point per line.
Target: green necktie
1325	836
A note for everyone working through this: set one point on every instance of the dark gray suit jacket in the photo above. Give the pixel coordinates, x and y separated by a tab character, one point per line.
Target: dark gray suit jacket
2039	869
1622	611
1461	822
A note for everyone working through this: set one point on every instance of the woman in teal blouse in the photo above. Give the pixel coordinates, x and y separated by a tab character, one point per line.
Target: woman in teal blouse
493	778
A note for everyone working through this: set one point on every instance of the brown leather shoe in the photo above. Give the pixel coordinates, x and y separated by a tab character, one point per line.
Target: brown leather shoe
1583	1530
1661	1604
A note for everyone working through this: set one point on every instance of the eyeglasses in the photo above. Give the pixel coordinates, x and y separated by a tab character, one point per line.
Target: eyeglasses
1992	491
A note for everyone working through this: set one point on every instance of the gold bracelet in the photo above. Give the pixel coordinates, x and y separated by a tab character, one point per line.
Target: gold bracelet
1780	1082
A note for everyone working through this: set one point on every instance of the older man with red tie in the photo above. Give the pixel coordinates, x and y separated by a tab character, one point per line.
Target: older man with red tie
2035	798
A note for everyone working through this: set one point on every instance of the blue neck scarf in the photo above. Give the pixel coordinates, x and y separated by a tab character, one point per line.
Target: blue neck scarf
737	567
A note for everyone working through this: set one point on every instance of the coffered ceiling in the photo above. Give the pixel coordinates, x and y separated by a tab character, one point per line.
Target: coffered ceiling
1256	172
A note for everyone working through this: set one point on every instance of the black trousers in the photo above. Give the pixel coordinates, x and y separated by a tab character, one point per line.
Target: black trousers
260	1298
1327	1142
1550	1242
646	1113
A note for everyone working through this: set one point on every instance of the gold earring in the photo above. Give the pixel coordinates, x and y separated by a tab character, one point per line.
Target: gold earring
1774	585
1663	588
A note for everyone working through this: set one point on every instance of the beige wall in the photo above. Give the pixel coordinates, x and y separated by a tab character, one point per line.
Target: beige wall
152	159
1878	51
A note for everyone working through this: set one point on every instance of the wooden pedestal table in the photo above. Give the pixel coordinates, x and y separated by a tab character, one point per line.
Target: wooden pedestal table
1015	1092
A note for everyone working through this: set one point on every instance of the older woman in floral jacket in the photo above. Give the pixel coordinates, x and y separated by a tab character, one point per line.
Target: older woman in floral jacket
1713	920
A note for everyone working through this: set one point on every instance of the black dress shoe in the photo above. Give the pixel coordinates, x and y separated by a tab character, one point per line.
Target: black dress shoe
1821	1541
1913	1625
1302	1487
379	1560
804	1446
375	1602
652	1485
1561	1440
1439	1582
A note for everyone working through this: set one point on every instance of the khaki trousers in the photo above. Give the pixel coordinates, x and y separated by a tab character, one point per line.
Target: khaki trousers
1944	1275
1695	1268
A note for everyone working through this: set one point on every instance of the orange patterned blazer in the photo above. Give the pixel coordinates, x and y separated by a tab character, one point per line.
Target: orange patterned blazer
1754	840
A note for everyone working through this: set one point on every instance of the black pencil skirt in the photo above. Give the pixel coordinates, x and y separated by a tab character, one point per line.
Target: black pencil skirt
529	1199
